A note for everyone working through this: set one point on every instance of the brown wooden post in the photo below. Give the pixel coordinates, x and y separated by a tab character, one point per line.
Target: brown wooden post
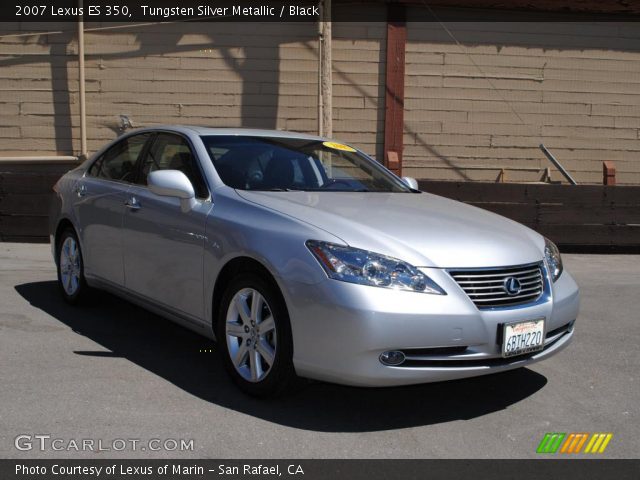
608	173
394	86
325	110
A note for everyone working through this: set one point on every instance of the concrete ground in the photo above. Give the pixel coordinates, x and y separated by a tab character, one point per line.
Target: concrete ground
114	371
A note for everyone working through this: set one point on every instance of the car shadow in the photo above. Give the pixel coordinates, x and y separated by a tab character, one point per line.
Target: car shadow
189	362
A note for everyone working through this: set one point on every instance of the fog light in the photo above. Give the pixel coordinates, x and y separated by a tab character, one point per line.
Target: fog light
393	357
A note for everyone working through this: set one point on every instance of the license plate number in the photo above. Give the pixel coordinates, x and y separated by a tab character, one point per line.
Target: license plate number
522	337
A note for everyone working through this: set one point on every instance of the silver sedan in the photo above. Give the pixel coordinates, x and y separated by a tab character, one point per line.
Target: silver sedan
304	257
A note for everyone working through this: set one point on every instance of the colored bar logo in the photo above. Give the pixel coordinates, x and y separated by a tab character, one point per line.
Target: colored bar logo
574	442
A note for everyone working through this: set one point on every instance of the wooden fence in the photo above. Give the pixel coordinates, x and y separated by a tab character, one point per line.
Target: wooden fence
587	217
26	191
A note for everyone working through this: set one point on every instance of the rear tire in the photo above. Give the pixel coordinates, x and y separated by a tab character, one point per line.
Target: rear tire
71	281
254	336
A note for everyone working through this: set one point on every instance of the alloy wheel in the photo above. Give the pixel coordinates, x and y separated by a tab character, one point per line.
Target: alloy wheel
251	335
70	266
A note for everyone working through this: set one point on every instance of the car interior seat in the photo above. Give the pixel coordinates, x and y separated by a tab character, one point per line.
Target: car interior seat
279	173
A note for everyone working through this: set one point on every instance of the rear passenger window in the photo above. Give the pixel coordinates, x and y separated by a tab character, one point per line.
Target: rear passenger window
118	163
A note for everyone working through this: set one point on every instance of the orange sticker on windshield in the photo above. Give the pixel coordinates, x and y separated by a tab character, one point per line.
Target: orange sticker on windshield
339	146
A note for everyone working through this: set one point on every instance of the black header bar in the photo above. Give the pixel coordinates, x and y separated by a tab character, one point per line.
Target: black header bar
190	469
127	11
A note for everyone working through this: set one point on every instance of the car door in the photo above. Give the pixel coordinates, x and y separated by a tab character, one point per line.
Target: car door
164	246
99	204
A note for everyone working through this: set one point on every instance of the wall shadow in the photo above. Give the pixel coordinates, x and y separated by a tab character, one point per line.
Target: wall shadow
259	66
258	70
379	103
61	97
173	353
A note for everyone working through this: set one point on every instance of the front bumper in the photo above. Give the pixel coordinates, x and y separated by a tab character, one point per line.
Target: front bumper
340	330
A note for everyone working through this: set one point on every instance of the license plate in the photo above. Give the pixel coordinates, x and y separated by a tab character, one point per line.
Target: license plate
522	337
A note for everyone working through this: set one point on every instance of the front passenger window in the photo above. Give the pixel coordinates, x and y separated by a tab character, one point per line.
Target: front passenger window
172	152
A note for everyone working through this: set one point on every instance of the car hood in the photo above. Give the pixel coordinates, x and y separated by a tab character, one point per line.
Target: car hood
423	229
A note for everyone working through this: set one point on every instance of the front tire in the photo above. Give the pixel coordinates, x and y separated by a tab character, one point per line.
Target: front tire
70	265
254	336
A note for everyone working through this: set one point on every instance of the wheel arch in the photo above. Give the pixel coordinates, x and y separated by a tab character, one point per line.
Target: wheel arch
63	224
232	268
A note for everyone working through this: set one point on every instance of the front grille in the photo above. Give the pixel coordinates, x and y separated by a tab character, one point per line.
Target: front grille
486	287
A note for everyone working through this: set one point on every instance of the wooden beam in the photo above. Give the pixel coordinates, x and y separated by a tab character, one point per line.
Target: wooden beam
394	87
325	107
608	173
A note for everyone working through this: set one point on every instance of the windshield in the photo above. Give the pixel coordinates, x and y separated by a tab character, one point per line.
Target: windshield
290	164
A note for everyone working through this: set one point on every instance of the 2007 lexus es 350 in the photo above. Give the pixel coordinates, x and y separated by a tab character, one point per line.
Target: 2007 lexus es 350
304	257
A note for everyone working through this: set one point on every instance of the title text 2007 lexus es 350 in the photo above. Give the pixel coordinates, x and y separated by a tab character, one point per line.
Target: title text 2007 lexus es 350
304	257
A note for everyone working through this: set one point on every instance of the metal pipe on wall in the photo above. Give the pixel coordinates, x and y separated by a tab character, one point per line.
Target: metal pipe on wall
558	165
82	99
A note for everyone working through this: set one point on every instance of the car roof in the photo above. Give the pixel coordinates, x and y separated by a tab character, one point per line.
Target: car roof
249	132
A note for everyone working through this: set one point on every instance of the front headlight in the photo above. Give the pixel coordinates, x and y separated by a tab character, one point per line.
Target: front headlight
553	259
367	268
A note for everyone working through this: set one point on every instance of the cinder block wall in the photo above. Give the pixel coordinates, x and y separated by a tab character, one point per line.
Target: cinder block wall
262	75
574	87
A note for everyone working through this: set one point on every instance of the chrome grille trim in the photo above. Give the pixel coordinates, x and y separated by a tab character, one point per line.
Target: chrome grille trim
485	286
461	273
494	281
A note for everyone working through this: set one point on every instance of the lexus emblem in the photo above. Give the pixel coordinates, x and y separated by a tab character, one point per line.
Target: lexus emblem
512	286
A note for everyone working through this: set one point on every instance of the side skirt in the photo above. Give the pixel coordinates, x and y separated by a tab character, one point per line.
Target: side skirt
195	324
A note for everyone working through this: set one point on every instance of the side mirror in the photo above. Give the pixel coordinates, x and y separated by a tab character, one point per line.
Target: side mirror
411	182
173	183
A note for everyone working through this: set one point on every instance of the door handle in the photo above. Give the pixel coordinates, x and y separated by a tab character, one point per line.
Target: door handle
81	190
132	204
